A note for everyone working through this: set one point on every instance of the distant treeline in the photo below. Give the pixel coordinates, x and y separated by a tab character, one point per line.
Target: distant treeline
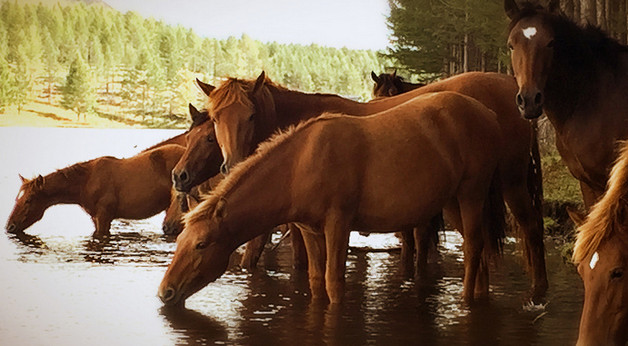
144	67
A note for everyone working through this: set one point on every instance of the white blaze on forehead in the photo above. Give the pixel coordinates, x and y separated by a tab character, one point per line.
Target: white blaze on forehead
594	260
20	194
529	32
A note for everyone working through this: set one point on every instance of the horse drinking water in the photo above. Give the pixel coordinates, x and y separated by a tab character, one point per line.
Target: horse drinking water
107	188
395	169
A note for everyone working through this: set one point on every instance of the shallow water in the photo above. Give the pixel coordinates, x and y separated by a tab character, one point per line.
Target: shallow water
60	287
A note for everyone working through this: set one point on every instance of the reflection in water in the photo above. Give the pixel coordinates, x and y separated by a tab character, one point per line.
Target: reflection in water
192	327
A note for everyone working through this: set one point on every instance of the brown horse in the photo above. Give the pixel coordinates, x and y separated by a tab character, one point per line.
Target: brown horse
601	253
578	76
107	188
327	173
389	84
246	112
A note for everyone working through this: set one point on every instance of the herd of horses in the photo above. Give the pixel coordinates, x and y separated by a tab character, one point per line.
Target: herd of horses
460	149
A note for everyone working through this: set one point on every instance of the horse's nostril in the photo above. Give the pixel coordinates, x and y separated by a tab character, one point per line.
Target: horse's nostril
183	177
167	295
519	100
11	227
224	169
538	98
165	228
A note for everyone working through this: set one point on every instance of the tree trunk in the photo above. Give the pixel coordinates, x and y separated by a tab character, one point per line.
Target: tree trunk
587	12
621	22
600	10
567	7
576	11
465	54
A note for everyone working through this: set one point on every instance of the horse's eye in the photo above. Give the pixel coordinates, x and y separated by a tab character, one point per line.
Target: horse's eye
252	117
550	44
201	245
210	139
617	273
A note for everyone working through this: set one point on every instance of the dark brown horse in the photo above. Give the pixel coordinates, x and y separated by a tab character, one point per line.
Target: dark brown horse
246	112
389	84
577	76
107	188
601	253
327	173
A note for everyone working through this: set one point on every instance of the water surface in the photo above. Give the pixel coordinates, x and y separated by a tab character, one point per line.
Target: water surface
61	287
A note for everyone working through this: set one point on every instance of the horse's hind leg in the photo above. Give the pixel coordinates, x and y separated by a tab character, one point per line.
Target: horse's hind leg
531	225
316	255
299	254
406	264
471	216
337	242
253	251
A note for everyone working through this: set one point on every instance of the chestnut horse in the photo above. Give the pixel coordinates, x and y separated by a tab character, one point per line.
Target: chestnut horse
389	84
601	253
200	162
578	76
246	112
107	188
438	152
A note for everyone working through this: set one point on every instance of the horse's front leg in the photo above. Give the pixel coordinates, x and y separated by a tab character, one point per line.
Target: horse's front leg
253	251
336	231
472	246
102	222
315	246
406	264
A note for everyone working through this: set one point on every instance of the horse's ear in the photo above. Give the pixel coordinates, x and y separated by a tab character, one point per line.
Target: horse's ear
39	182
205	88
511	8
194	113
394	74
374	77
220	211
576	216
554	6
259	83
22	178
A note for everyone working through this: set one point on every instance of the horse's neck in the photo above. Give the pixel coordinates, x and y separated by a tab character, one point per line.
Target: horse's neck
405	86
294	106
251	209
61	189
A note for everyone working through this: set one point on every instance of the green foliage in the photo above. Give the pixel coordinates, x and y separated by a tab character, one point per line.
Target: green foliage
148	67
434	38
77	91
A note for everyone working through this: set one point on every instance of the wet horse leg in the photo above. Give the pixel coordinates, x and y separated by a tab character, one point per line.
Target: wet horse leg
471	216
407	252
337	242
422	240
102	222
253	251
531	225
299	254
315	247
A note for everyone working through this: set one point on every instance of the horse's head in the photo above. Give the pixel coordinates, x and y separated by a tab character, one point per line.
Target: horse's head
605	313
601	254
531	43
30	205
386	84
173	221
202	157
202	254
239	110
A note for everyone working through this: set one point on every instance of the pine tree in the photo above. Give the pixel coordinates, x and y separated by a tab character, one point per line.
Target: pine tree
77	91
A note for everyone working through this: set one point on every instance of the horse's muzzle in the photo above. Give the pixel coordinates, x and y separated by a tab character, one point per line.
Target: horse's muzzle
530	105
11	228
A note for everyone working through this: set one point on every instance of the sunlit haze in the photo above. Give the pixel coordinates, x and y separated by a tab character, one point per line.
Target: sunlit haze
356	24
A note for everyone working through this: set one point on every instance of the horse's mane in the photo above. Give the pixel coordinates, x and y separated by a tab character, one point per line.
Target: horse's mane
604	214
280	138
73	172
233	90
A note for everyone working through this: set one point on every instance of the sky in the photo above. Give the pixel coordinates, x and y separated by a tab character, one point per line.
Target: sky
356	24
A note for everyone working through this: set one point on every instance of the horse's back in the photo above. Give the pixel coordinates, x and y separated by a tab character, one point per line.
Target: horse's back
409	158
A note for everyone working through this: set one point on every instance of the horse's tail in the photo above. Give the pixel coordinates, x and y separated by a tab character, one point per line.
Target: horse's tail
535	186
494	225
